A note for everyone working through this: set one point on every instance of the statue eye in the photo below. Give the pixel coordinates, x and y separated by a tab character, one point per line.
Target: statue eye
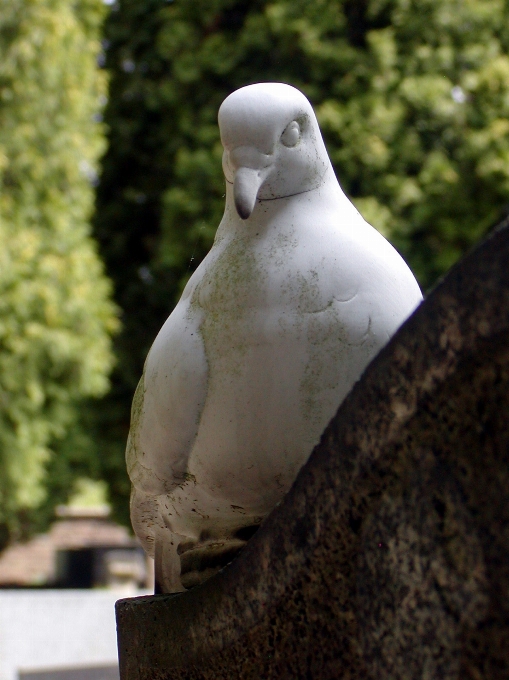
291	135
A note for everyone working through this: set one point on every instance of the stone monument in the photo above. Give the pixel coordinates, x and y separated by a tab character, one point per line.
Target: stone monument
389	557
295	298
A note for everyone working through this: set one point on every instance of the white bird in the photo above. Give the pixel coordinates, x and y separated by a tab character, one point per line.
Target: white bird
296	296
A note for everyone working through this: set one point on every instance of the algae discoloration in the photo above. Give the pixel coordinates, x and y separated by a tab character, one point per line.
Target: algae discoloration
225	293
136	414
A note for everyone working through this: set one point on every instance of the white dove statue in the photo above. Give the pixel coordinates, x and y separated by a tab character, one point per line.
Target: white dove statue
296	296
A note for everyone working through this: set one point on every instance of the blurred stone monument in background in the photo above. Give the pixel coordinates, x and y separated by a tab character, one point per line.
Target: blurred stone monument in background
84	548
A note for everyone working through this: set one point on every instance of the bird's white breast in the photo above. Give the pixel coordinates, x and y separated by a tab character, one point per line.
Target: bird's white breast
287	326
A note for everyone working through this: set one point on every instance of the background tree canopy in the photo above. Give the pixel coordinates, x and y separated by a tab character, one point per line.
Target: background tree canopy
413	100
56	315
412	97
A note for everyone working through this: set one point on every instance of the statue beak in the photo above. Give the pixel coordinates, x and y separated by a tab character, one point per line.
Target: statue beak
246	186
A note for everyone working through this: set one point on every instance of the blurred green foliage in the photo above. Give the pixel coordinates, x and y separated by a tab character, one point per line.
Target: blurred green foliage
412	97
56	314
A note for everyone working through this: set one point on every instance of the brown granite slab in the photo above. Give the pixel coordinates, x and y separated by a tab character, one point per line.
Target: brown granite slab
389	558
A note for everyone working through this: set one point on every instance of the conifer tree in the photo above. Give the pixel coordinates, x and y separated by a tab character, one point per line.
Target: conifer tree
56	313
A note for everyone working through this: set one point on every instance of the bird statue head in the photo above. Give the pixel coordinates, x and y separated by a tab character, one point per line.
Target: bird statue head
273	147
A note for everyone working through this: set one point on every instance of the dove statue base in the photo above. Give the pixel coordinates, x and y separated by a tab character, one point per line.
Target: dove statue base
389	556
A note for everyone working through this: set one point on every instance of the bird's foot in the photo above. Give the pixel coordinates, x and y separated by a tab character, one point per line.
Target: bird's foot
201	560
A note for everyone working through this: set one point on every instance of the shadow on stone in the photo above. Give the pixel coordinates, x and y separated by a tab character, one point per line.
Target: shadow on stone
389	558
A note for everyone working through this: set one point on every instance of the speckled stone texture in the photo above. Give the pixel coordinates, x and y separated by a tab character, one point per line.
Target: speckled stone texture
389	558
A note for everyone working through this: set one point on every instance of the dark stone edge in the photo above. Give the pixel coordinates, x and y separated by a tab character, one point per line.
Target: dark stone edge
458	315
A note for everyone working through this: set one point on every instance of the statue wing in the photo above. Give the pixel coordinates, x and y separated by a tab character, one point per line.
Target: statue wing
168	403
